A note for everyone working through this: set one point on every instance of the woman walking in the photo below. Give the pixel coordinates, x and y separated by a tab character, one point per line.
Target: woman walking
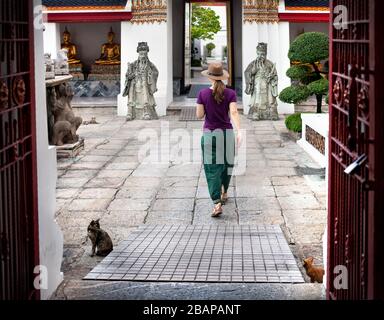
218	105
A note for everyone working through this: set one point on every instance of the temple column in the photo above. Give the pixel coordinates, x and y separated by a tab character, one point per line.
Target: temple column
50	235
151	23
261	24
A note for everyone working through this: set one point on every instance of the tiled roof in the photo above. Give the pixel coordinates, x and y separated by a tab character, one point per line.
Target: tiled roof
307	3
84	3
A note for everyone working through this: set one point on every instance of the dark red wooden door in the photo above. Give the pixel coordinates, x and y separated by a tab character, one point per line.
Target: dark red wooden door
18	214
356	120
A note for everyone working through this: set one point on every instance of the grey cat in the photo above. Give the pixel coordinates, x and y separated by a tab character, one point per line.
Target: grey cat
100	239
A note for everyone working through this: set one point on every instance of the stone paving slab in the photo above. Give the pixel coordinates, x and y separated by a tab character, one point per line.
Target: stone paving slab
201	253
176	192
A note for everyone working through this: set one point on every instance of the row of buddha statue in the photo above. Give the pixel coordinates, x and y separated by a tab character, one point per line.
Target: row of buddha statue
110	51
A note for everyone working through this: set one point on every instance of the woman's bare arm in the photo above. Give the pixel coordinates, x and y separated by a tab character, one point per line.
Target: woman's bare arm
235	119
200	112
234	115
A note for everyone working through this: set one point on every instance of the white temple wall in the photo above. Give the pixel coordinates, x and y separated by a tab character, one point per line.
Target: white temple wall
50	235
52	39
159	39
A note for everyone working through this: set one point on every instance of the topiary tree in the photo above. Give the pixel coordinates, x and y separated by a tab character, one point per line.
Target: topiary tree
210	46
306	53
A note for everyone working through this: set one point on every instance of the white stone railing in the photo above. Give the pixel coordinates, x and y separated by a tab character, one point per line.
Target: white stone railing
314	139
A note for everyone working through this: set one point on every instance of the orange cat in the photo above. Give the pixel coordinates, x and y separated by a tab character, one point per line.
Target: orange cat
315	273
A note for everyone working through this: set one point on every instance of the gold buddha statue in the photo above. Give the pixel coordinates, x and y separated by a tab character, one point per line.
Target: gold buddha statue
110	51
71	48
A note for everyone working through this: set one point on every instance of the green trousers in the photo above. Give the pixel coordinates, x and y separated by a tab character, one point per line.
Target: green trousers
218	149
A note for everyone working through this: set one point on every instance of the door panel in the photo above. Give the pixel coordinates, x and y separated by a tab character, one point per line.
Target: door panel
352	211
18	214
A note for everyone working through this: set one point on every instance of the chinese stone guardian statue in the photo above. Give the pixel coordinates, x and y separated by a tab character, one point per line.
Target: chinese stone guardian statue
261	84
140	85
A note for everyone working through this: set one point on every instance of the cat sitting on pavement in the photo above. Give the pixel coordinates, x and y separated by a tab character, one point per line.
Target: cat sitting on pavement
100	239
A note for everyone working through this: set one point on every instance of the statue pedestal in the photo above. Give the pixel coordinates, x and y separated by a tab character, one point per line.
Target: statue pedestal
76	68
76	71
104	72
70	150
95	88
103	81
139	114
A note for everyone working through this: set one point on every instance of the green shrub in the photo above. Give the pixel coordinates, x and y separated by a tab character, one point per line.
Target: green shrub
293	122
196	63
294	94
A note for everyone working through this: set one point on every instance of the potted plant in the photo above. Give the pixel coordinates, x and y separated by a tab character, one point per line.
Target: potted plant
210	46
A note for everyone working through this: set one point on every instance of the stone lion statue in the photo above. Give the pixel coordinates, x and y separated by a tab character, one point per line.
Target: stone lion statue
64	123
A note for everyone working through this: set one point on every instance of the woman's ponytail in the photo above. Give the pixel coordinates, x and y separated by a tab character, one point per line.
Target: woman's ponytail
218	91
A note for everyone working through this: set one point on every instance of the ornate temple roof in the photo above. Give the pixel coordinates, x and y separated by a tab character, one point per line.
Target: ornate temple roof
84	4
307	5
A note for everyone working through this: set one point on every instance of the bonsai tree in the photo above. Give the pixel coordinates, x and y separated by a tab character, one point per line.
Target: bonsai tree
210	46
306	53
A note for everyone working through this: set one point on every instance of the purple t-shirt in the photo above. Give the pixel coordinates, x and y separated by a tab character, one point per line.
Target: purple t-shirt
216	114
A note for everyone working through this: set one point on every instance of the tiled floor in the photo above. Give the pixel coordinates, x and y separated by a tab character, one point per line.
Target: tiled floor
201	253
188	114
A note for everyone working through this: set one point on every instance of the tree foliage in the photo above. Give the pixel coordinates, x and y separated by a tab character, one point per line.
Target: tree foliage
306	53
205	23
309	47
295	94
319	87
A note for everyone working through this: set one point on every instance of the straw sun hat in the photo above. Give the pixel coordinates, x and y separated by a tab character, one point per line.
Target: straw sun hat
216	72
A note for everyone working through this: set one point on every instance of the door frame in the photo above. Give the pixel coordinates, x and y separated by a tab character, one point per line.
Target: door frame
376	154
230	41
